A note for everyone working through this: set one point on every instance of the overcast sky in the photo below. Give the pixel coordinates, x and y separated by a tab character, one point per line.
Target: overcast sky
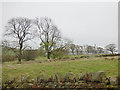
82	22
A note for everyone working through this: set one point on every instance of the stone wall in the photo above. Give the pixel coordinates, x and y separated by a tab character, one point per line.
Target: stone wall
69	80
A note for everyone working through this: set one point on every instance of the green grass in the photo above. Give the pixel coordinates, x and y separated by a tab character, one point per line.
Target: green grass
33	68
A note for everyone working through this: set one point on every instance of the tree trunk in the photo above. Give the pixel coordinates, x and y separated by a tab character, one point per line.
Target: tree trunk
48	55
72	52
20	54
112	52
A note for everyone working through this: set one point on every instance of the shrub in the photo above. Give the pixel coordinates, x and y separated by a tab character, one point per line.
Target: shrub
30	54
59	53
106	55
84	56
8	54
7	57
41	52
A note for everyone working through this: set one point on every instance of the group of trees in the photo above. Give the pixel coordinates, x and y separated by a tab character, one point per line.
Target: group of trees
89	49
23	29
86	49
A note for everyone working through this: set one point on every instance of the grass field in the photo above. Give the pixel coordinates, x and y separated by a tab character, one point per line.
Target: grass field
34	68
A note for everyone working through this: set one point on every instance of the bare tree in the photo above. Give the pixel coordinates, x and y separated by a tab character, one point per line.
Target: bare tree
72	47
89	49
81	49
5	43
100	50
111	48
77	49
19	28
66	45
48	34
